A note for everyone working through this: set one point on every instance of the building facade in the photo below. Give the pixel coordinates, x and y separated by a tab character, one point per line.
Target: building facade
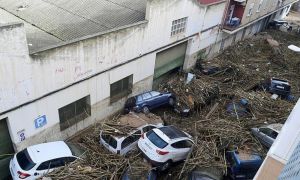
61	86
282	161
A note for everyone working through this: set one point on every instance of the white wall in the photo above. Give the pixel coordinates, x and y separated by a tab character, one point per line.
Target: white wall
133	49
288	137
53	69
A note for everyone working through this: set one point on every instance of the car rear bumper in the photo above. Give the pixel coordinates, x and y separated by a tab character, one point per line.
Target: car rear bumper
152	162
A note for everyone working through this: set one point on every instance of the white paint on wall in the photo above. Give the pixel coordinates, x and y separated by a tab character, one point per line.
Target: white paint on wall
288	137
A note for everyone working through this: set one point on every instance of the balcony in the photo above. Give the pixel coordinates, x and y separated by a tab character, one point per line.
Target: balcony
235	14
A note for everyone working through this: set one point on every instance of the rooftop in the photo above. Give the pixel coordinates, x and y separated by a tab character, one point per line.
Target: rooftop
51	22
44	152
130	122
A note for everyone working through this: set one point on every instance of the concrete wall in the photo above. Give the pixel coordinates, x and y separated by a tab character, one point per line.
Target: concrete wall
46	81
266	7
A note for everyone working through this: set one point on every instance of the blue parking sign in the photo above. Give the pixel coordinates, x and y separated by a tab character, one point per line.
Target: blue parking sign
40	121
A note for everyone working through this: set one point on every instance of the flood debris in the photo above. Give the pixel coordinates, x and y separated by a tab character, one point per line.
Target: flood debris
98	162
241	68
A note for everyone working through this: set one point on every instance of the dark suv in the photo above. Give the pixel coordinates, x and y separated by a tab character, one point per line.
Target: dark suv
149	100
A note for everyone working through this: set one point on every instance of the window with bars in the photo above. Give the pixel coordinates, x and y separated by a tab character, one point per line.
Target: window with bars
74	112
121	88
179	26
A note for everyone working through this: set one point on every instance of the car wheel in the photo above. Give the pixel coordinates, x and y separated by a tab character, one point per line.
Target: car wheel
146	110
171	101
165	166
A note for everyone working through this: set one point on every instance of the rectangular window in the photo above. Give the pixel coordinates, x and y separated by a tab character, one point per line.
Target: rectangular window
74	112
178	26
121	88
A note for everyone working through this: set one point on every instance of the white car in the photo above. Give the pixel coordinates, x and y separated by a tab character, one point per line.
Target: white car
125	140
38	160
165	145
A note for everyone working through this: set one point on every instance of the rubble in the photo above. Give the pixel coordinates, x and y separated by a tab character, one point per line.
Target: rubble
213	129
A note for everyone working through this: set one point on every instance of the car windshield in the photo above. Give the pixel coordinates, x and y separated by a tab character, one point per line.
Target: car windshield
75	149
156	140
24	160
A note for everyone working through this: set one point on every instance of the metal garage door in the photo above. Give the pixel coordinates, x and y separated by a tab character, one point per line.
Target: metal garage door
6	149
169	59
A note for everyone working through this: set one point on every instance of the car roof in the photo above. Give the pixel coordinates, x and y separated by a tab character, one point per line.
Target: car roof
276	127
46	151
145	93
172	132
132	121
136	120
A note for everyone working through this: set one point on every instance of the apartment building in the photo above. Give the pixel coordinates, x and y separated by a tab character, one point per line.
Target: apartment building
65	65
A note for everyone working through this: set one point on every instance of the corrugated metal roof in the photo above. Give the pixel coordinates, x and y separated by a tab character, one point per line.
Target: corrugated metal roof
52	21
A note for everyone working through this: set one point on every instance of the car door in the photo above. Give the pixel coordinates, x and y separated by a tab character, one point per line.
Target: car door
181	150
130	142
157	98
147	100
48	166
109	142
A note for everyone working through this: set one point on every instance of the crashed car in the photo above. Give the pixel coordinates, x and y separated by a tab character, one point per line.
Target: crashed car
164	146
125	140
131	174
278	86
206	174
277	23
242	165
148	101
239	108
267	134
36	161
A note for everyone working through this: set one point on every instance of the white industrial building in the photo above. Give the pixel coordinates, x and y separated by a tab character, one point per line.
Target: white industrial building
65	65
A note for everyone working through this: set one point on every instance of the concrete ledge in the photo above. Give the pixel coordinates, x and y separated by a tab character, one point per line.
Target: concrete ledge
11	25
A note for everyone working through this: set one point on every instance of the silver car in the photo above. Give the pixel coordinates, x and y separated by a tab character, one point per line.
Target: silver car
267	134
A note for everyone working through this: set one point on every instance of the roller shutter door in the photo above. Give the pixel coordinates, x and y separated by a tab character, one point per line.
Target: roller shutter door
169	59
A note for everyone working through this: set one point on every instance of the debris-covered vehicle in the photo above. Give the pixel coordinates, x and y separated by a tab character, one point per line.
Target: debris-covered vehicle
149	100
278	86
211	173
165	145
277	23
131	174
242	165
209	70
35	161
267	134
122	135
239	108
